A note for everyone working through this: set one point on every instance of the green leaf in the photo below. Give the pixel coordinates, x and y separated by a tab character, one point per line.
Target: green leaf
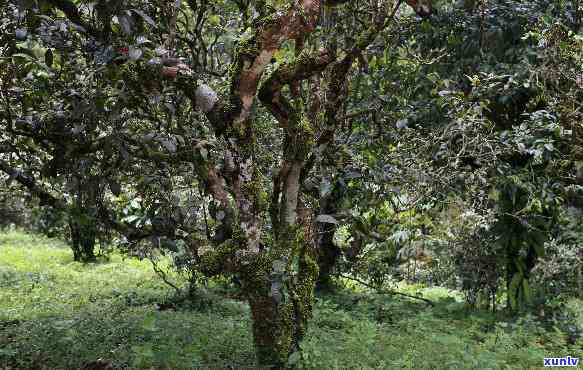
125	24
145	17
49	58
169	145
214	19
294	358
21	34
23	56
279	266
325	188
326	219
204	153
131	218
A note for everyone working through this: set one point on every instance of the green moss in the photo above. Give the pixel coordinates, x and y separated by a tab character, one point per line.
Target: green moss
304	287
254	274
255	190
279	324
266	20
187	84
286	326
214	262
246	51
306	130
300	139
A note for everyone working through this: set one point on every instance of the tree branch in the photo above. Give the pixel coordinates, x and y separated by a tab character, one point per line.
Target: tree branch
72	13
45	197
384	291
303	67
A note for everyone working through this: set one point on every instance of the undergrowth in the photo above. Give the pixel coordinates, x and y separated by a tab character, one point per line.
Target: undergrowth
59	314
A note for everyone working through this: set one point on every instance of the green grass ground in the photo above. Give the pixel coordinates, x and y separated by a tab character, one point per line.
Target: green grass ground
58	314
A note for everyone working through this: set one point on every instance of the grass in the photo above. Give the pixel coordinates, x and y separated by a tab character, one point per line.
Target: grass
59	314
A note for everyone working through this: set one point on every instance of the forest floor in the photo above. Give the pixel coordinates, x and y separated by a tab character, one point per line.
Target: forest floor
59	314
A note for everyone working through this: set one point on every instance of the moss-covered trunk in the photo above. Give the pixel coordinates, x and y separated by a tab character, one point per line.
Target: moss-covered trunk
280	290
82	241
273	334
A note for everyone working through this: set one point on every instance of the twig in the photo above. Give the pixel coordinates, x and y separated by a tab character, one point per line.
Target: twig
163	275
384	291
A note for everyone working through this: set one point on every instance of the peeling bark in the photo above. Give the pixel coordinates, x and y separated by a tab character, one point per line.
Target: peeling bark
290	194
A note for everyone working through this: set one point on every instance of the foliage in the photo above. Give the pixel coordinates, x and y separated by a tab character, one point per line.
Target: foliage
482	124
559	273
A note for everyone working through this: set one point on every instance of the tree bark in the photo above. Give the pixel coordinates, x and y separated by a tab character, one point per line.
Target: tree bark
280	292
328	254
82	241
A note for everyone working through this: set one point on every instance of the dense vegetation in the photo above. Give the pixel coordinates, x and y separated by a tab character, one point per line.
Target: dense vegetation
61	313
317	182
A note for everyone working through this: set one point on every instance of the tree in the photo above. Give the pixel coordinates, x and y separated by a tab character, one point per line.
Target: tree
129	107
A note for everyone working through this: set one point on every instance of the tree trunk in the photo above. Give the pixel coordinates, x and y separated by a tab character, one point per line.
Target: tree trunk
517	278
273	334
82	241
281	296
281	305
328	254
